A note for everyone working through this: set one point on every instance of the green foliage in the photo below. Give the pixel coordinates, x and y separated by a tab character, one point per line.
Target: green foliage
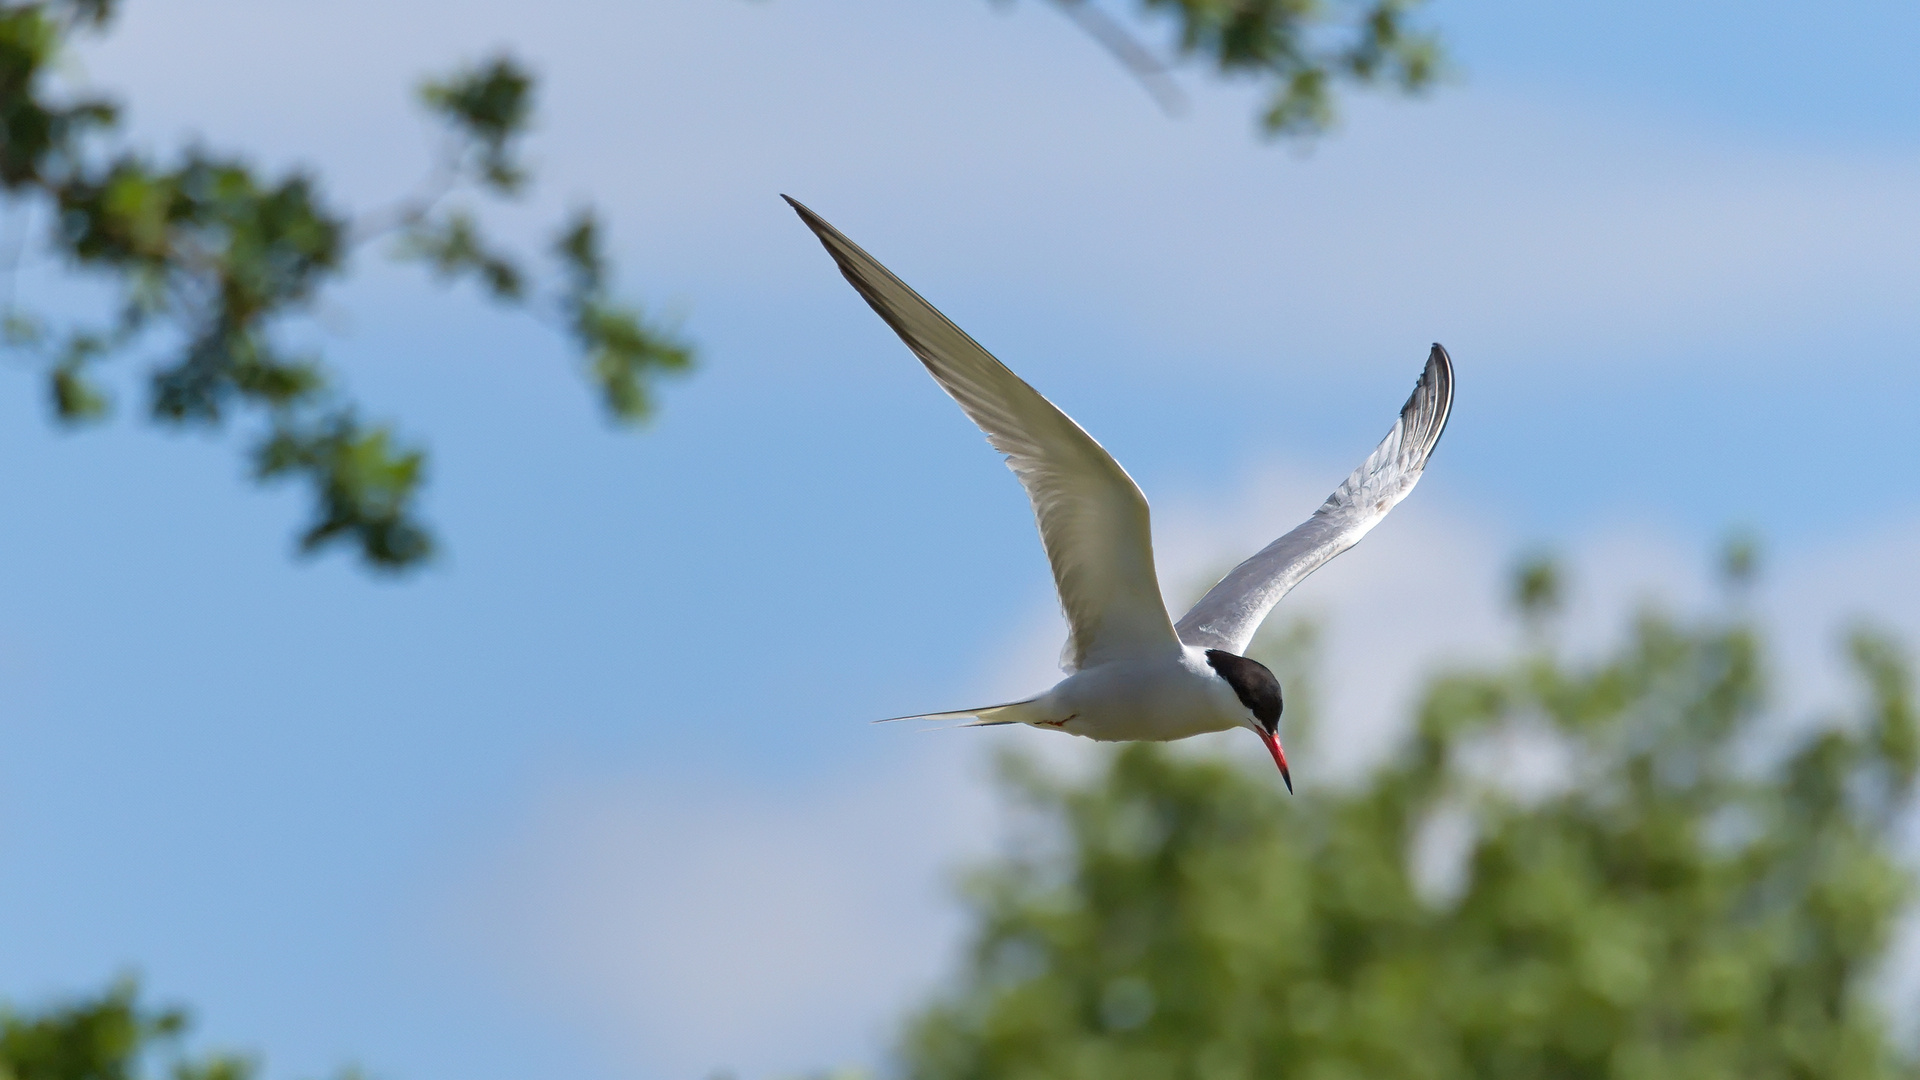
454	247
1739	561
622	351
110	1037
362	482
1300	49
1658	905
1537	588
490	105
37	136
210	259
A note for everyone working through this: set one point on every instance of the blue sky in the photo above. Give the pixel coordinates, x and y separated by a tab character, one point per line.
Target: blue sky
593	796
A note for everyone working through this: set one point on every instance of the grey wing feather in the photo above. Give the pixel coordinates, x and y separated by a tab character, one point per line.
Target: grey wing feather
1093	519
1228	615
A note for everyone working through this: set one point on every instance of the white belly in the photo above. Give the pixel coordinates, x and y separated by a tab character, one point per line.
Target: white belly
1156	701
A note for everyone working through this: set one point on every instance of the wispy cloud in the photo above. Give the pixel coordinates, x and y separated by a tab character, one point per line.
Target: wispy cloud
1546	229
689	923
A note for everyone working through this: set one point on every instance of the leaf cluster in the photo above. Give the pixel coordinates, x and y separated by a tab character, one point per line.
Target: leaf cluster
211	258
108	1037
1299	49
1665	900
490	105
1303	47
622	351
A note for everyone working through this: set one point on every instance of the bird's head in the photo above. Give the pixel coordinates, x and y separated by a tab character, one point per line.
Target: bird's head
1259	691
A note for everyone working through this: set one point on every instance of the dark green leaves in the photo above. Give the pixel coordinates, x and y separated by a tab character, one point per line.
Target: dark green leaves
1299	48
109	1037
211	259
102	1038
1892	736
210	252
38	135
363	483
1646	899
623	353
489	105
454	247
1537	588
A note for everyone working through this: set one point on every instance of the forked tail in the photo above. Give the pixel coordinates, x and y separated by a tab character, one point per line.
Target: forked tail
1013	712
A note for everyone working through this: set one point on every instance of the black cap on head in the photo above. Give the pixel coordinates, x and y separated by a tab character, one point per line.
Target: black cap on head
1252	683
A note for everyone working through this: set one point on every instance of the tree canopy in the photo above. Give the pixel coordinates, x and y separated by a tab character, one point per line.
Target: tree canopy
1682	885
1671	894
211	258
109	1036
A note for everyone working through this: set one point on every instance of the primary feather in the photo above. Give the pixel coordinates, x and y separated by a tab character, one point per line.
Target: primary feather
1093	519
1228	615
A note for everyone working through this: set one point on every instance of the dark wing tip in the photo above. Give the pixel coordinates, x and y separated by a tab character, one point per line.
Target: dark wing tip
870	279
855	264
1440	369
1431	404
814	221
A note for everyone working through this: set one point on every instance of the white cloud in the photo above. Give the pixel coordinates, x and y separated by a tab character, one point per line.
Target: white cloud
694	924
1817	593
1011	171
690	926
704	922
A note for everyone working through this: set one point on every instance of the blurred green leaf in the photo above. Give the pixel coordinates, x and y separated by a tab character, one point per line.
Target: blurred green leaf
1658	904
365	484
108	1037
1740	560
625	354
1299	49
75	398
489	103
211	256
1537	589
454	247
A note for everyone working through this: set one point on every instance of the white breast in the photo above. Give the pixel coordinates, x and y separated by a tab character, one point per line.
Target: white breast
1150	701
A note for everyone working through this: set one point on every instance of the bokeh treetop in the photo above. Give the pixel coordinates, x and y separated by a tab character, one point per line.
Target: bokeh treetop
1679	886
1658	895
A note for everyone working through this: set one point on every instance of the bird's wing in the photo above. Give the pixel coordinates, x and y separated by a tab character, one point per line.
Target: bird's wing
1093	519
1228	615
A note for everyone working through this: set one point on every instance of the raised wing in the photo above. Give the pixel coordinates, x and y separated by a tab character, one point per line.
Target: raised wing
1228	615
1093	519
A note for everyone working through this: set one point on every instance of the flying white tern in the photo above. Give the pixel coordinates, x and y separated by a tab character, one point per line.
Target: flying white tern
1133	672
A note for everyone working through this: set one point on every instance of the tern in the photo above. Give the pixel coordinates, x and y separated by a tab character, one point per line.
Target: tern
1134	673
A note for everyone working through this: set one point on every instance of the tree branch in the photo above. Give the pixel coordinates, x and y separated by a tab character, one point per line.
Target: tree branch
1149	70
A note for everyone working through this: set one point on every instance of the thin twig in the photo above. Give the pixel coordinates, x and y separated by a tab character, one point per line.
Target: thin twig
1140	62
414	208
